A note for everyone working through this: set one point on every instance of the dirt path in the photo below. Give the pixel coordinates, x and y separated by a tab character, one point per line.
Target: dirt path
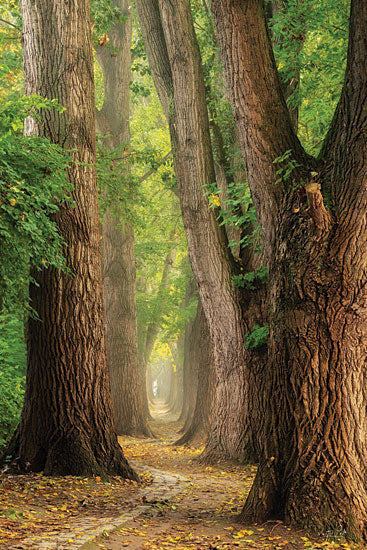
182	505
198	511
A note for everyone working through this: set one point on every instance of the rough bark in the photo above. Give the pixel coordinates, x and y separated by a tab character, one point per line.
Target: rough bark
312	470
201	355
174	56
66	424
118	258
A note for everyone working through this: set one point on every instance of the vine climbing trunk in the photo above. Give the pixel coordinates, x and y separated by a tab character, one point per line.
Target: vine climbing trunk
312	467
66	426
118	258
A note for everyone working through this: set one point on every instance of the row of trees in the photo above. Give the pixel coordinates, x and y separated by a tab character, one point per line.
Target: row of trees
124	172
288	351
311	214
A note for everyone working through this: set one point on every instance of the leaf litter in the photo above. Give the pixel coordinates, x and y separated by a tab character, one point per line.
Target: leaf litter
201	516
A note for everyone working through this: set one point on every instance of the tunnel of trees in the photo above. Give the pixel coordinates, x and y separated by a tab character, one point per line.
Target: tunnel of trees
182	229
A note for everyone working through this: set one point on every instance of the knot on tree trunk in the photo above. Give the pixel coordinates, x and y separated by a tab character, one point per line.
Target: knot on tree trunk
316	208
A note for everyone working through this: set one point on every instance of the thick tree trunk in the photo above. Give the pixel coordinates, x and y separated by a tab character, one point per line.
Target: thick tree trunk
118	258
66	424
201	355
312	470
176	66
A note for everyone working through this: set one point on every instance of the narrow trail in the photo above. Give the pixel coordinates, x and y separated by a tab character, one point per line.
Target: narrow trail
181	504
188	505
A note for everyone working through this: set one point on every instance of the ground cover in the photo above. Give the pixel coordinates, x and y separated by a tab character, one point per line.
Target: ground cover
181	504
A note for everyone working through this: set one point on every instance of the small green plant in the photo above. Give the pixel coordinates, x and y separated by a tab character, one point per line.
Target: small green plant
284	172
257	337
236	210
252	279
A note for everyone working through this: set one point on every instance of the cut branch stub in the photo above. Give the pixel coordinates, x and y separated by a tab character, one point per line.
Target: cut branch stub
316	208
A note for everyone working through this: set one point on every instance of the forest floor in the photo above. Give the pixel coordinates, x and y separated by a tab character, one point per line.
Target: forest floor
181	504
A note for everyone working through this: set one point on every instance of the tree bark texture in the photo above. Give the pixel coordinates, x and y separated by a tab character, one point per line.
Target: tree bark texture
118	258
174	55
201	355
66	425
312	469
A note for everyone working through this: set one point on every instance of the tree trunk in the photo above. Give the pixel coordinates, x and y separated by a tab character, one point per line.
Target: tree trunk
66	425
118	258
189	378
201	355
178	390
312	470
154	326
174	56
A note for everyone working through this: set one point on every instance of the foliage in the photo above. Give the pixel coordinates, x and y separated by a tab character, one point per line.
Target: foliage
141	84
289	165
310	39
10	49
257	337
12	369
158	226
118	188
32	179
235	209
252	279
104	14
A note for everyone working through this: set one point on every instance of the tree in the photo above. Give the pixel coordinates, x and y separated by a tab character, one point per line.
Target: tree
200	353
118	259
66	425
175	62
312	217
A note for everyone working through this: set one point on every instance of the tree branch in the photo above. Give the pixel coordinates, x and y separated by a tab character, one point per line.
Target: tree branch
264	128
152	170
153	35
9	23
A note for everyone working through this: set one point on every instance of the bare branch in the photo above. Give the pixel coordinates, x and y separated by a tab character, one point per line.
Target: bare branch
11	24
